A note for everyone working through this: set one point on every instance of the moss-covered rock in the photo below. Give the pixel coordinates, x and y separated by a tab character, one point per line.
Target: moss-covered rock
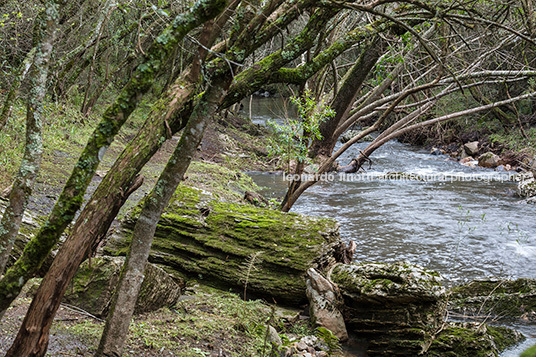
95	282
232	245
29	227
396	307
472	340
499	298
529	352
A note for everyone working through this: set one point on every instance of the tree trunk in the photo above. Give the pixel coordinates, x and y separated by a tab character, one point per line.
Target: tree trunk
46	30
346	97
13	91
116	328
71	198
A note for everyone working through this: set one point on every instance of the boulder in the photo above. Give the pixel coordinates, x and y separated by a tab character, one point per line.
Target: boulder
526	188
94	284
497	298
489	159
394	306
263	252
471	339
349	134
471	148
400	310
325	302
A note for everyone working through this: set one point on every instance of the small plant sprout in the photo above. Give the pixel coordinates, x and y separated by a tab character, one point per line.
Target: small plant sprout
293	139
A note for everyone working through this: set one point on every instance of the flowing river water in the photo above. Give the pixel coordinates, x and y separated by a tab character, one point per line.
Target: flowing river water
460	221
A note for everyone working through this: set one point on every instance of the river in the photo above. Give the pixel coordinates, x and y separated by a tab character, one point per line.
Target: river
460	221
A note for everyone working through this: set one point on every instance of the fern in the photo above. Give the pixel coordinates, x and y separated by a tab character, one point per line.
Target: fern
331	341
249	266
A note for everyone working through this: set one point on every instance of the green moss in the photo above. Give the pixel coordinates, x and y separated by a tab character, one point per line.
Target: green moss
504	337
212	240
480	340
500	298
530	352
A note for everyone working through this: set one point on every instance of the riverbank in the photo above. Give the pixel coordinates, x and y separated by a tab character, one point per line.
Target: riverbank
198	331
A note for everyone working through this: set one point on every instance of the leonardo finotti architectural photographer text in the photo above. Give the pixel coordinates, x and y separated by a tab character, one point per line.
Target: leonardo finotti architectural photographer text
399	176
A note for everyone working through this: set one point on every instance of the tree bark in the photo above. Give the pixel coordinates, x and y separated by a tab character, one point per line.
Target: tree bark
14	90
71	198
345	98
46	30
116	328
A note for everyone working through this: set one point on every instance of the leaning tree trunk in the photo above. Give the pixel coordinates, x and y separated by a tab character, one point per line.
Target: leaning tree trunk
119	178
46	30
71	198
32	339
123	303
14	90
346	97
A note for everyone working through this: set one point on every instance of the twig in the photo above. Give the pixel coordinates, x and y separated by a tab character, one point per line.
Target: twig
80	311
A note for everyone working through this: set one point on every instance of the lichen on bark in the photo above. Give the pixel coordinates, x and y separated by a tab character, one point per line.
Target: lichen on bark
114	117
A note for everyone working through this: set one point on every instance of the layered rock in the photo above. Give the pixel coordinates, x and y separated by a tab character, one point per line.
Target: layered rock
400	310
395	306
471	339
94	284
497	298
227	245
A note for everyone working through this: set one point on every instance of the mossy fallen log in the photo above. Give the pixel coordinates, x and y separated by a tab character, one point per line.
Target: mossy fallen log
237	246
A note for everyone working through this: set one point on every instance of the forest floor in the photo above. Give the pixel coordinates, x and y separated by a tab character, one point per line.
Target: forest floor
206	321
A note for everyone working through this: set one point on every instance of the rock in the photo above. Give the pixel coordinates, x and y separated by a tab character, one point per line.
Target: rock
469	161
255	199
93	286
273	337
393	306
472	339
324	302
489	159
237	245
309	346
349	134
498	298
471	148
28	229
301	346
526	188
435	151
